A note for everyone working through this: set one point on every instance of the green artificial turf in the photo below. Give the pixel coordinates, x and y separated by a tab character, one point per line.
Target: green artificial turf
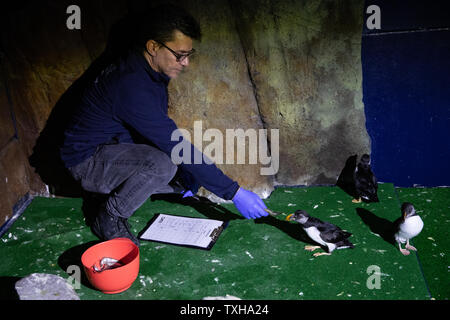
252	259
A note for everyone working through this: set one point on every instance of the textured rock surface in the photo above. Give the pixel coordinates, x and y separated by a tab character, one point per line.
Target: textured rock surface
13	177
217	90
304	59
42	286
288	65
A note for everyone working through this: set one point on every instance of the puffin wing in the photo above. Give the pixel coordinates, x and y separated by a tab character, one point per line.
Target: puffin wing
329	232
359	185
335	236
366	185
374	181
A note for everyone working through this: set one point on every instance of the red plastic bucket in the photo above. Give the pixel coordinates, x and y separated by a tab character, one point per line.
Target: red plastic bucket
117	279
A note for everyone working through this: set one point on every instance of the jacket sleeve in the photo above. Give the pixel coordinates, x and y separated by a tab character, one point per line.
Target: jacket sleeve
144	108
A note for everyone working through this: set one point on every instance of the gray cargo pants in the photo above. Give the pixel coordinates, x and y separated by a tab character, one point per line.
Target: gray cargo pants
129	173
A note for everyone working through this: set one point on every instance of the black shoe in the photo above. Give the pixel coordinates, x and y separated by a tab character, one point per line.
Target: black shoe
125	228
107	227
92	204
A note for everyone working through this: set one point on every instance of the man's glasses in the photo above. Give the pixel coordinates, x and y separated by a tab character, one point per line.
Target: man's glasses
180	56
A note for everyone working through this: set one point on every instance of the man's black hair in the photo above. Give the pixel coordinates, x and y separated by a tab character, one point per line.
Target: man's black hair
160	22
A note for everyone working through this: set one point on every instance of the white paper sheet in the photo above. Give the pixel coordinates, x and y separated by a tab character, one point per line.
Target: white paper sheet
187	231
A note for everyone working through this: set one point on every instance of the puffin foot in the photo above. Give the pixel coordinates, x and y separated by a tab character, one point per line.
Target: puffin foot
321	254
410	247
404	252
311	248
357	200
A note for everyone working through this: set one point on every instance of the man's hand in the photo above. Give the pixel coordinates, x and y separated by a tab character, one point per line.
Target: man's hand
249	204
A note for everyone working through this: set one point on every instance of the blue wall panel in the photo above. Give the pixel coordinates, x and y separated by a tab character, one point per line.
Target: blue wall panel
406	93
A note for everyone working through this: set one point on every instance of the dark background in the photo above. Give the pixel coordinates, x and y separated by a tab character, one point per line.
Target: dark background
406	92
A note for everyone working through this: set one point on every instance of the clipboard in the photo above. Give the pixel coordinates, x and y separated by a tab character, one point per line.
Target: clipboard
183	231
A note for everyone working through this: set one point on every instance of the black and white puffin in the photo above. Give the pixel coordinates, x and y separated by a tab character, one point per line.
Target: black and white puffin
324	233
366	183
358	180
407	227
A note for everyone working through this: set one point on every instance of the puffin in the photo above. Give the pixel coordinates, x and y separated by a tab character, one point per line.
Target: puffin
324	233
407	227
358	179
366	183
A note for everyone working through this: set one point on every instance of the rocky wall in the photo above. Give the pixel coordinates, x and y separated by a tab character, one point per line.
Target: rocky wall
291	66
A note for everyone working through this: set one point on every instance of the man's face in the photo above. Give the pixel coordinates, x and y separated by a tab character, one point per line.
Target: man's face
162	60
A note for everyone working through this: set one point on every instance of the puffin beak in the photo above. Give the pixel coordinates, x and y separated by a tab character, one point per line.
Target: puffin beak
404	215
288	218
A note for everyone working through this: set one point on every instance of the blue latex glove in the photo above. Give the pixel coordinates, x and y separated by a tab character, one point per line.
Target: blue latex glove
187	194
249	204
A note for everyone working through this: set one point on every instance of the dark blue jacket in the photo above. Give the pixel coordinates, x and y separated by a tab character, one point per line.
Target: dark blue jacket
130	99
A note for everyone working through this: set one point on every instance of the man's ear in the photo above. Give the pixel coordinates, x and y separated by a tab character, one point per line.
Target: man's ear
152	46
